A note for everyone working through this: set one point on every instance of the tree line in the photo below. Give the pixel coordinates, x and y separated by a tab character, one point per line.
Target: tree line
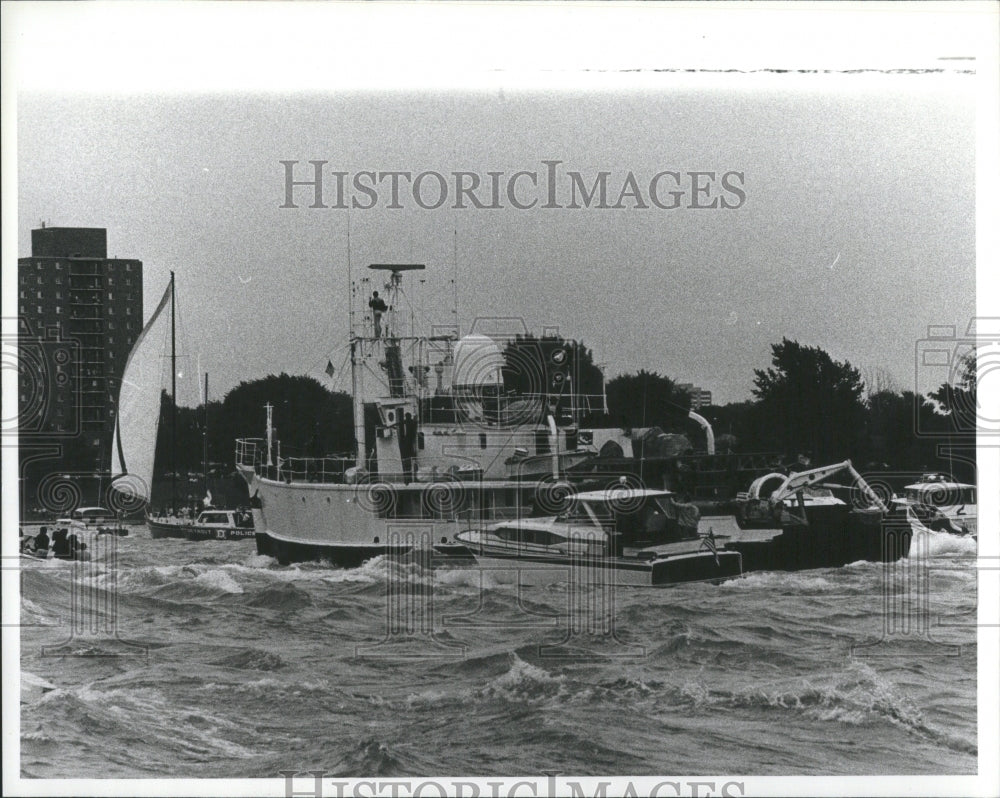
805	402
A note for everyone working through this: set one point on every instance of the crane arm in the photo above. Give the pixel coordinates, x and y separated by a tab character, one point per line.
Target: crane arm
796	481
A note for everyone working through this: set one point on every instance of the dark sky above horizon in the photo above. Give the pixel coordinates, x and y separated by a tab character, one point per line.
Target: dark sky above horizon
856	234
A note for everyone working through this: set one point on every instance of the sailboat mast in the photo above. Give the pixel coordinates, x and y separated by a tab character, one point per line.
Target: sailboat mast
173	397
204	438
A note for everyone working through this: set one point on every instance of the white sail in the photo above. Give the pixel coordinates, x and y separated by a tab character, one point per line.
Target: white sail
134	445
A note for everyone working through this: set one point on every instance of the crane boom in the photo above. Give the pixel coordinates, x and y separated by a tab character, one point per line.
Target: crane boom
795	482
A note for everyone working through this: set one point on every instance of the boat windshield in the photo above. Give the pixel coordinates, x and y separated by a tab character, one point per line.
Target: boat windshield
589	513
942	495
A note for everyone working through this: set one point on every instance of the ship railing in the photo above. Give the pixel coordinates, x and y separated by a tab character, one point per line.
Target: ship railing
311	469
251	452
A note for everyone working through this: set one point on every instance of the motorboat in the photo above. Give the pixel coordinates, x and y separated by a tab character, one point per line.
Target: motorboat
941	504
619	536
222	525
810	527
95	520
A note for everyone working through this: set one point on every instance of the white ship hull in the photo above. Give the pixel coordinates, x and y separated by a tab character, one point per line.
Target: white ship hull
337	523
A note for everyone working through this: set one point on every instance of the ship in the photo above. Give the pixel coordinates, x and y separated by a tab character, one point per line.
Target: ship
444	446
440	445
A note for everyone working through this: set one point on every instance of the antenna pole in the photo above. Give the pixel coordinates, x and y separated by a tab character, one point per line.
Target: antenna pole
350	281
204	437
173	397
454	279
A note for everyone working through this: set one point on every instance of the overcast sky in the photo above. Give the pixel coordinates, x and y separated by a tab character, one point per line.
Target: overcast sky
857	230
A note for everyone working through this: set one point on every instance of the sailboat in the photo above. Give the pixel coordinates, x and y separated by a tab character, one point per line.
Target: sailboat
136	426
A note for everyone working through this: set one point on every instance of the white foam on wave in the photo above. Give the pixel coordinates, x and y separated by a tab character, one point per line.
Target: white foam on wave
219	579
524	682
800	580
939	544
471	577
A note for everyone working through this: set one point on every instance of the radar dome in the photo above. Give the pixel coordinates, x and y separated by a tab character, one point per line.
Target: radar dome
478	362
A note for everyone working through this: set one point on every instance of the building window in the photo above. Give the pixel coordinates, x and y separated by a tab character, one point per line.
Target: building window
22	309
39	280
58	280
58	309
111	339
111	311
111	325
128	267
128	281
39	308
111	281
110	295
58	294
58	266
39	294
38	266
24	295
128	311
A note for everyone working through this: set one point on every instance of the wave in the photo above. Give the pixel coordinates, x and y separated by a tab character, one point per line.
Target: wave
374	757
797	581
254	659
284	597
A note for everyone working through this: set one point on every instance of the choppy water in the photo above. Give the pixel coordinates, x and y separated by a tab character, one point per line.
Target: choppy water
226	664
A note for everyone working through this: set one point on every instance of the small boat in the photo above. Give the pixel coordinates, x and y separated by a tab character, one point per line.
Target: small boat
812	528
939	503
626	536
97	520
222	525
754	510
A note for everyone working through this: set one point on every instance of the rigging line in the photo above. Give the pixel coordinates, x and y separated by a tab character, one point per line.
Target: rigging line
319	364
341	373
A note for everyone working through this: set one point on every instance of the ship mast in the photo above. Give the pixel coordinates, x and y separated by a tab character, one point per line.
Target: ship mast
389	340
173	398
204	439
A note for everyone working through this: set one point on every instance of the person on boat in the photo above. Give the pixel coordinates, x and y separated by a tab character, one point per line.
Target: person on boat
42	540
408	447
378	306
60	544
76	547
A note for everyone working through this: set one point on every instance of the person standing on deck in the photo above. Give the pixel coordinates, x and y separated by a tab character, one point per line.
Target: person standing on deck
408	447
378	306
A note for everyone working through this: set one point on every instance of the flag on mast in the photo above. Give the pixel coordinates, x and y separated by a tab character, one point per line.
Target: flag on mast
329	369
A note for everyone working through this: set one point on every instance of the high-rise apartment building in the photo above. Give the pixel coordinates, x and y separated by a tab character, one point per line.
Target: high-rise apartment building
79	312
699	397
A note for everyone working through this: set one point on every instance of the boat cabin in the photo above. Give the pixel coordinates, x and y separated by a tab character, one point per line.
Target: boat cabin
935	490
88	517
240	519
625	518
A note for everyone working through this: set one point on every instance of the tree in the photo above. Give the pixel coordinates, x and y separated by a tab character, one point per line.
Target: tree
310	420
811	402
553	366
958	400
647	399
